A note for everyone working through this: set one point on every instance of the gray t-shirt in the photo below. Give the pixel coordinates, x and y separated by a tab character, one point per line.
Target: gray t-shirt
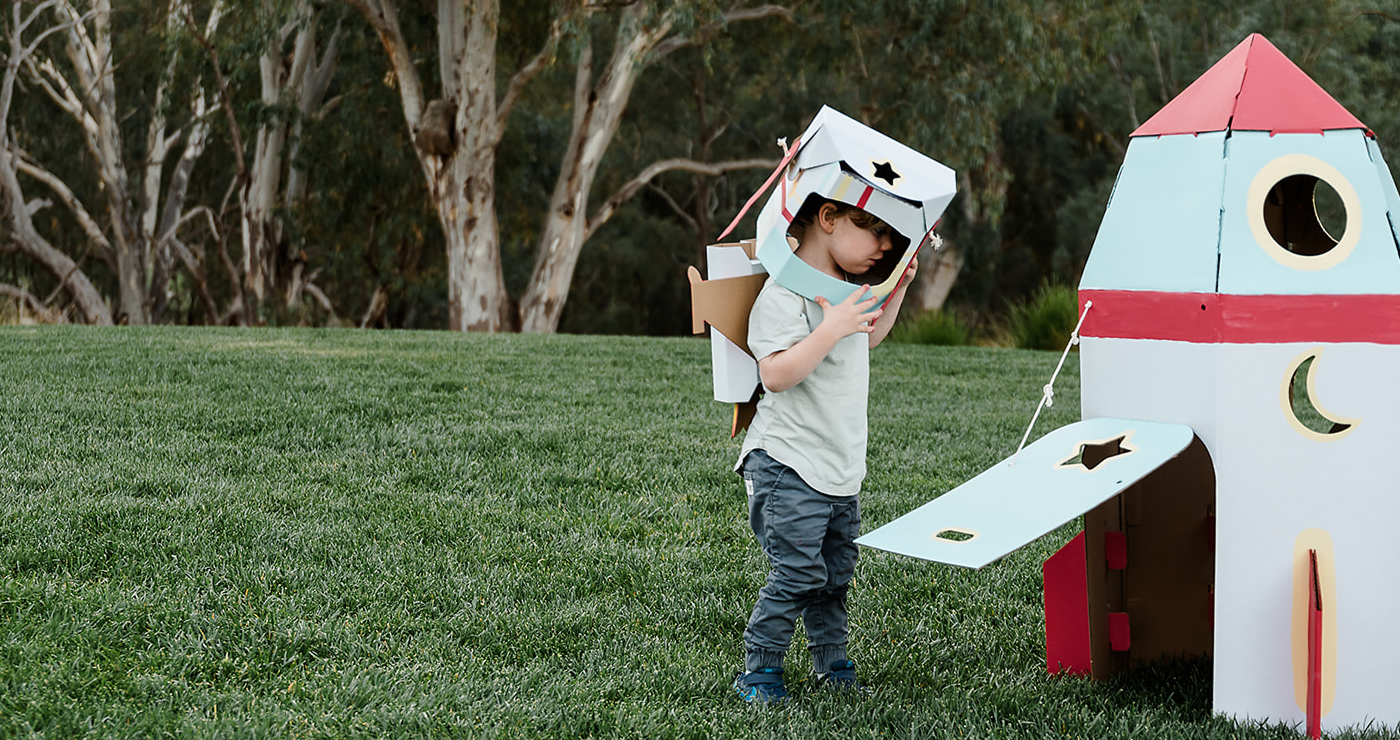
817	427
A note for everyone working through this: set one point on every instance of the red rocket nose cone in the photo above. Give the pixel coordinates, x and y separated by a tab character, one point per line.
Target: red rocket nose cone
1253	88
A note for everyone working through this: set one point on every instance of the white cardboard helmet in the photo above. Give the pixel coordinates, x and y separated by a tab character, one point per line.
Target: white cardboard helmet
844	160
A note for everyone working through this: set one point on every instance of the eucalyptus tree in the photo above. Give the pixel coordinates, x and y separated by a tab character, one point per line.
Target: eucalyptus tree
458	131
131	222
22	43
293	86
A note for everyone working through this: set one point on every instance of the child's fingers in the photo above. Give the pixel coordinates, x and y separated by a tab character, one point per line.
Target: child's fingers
854	297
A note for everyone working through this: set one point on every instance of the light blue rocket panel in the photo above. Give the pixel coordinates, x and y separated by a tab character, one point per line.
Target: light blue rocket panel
1246	266
1010	505
1392	196
1162	226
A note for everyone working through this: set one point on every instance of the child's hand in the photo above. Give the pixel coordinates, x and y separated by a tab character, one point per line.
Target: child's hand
849	316
909	272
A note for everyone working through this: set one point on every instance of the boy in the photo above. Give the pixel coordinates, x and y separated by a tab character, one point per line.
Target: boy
803	458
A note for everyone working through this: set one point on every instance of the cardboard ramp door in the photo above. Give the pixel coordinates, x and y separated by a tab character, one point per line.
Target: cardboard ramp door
1060	476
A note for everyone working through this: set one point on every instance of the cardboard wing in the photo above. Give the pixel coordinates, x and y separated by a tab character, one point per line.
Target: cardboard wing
724	302
1055	479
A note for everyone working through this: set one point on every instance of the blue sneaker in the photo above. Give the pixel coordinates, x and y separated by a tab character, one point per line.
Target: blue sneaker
842	677
761	687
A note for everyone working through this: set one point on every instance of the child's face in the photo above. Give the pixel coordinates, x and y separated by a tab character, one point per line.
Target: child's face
855	250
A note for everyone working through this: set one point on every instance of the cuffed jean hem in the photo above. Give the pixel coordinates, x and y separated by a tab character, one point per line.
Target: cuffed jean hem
757	660
823	657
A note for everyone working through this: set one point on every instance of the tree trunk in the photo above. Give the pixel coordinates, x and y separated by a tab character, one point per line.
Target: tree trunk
466	206
261	232
131	243
463	185
938	270
455	138
597	115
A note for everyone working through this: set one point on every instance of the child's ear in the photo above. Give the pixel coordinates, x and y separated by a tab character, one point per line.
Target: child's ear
826	217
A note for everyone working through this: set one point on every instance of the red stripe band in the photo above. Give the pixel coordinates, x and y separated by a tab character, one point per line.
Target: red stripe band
1209	318
864	197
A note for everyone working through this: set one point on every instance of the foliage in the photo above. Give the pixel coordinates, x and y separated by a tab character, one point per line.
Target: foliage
1046	320
943	327
1031	102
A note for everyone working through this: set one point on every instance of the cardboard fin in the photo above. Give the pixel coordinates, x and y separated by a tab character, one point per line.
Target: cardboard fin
1314	633
1067	610
724	304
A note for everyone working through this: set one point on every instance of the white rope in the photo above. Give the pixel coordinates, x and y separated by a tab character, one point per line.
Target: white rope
1047	393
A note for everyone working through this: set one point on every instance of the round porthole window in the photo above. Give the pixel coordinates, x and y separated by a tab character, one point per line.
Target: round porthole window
1303	213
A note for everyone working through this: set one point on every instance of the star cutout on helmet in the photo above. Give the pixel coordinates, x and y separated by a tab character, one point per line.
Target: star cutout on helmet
885	171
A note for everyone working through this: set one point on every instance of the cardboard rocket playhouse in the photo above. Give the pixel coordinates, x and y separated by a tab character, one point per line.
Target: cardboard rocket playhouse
836	158
1237	459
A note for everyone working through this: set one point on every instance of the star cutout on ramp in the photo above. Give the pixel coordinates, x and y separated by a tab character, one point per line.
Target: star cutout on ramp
1093	454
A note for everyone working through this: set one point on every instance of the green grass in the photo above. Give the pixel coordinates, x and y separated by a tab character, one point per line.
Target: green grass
331	533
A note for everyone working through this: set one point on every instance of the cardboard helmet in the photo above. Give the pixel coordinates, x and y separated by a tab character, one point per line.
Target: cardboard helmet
841	159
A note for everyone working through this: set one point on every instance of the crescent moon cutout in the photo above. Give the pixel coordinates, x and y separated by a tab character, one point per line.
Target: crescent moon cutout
1298	397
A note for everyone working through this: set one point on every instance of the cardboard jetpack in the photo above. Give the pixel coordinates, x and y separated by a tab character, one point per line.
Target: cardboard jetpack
1229	513
836	158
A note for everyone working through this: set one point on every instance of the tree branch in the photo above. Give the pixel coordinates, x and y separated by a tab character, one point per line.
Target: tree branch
629	189
734	15
383	18
46	315
64	96
522	77
21	26
675	207
65	194
197	273
225	99
322	299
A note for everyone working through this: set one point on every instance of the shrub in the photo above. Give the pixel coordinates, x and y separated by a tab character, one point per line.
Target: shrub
1047	320
932	327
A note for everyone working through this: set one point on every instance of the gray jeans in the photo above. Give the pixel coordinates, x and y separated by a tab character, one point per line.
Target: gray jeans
809	538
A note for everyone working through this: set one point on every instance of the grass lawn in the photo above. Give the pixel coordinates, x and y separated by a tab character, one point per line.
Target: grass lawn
333	533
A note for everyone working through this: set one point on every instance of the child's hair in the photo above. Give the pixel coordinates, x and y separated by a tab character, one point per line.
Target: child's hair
807	215
860	218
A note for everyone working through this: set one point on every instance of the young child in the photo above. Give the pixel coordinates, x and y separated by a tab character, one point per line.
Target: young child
803	458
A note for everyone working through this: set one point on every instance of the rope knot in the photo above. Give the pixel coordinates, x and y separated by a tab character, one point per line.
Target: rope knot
1047	391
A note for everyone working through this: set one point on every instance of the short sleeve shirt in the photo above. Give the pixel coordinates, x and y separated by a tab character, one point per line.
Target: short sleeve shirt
817	427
